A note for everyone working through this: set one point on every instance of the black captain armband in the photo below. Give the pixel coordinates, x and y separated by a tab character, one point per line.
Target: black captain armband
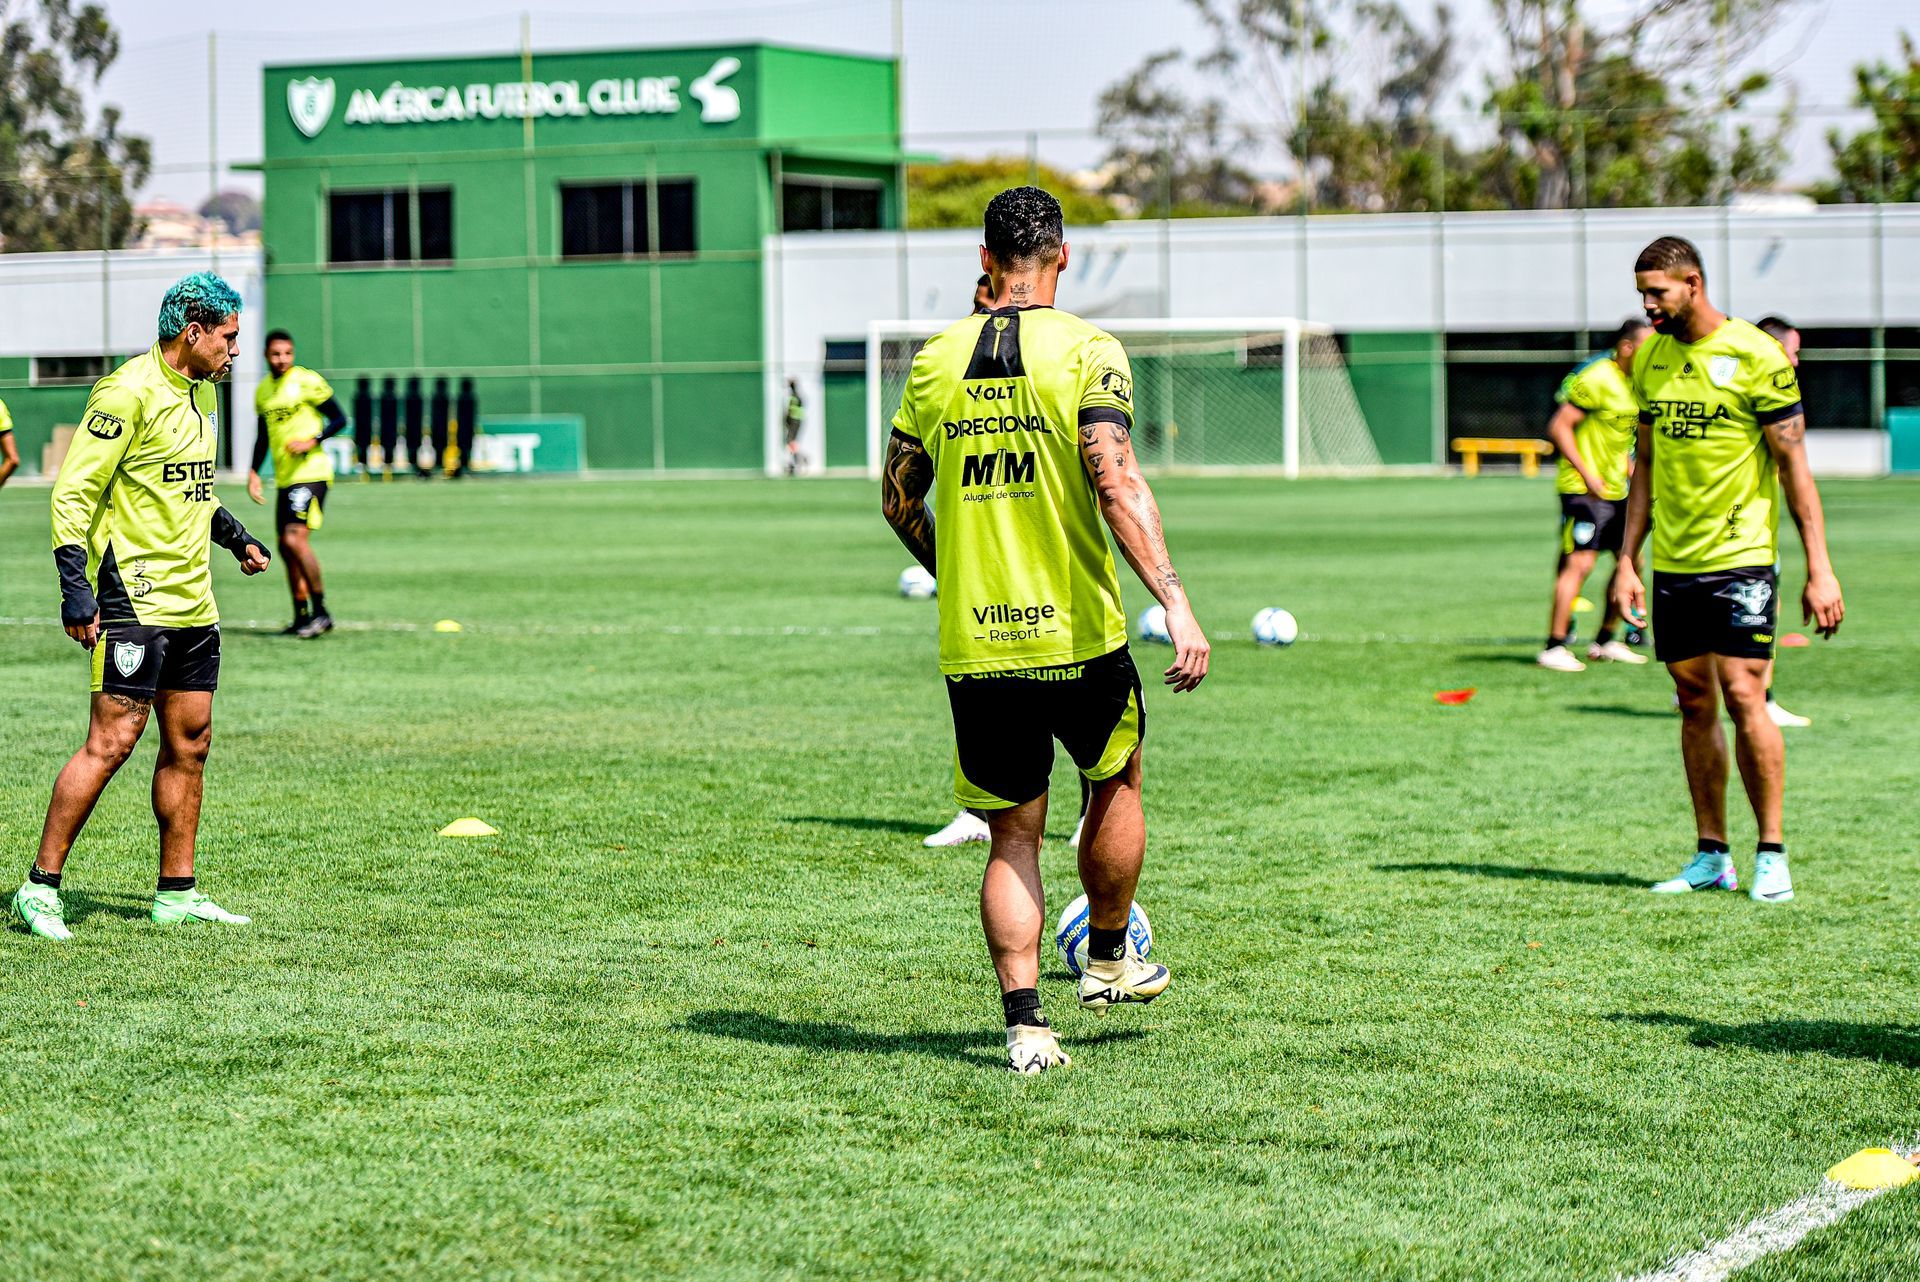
233	536
77	606
1767	418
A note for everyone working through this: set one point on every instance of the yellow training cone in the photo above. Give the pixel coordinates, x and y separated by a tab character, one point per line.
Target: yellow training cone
447	625
1873	1168
1582	606
469	827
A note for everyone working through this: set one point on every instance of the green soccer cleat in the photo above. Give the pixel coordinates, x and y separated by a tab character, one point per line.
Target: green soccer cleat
40	907
173	907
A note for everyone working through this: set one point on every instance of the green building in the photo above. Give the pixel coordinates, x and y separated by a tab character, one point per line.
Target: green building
582	234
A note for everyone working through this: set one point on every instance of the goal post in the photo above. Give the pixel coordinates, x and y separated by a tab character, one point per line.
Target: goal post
1264	394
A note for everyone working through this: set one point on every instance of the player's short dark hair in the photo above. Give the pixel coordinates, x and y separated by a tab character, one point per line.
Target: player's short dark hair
1627	329
1024	226
1778	326
276	336
1672	255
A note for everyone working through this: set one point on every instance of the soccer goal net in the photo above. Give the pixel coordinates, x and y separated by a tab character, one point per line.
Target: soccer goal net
1208	395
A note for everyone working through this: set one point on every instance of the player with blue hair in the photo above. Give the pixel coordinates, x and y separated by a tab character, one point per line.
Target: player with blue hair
134	516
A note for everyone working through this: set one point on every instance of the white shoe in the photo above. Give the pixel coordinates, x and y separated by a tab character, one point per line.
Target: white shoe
1614	652
966	826
1560	659
1781	717
1706	872
40	908
1032	1048
1772	883
1074	840
1109	983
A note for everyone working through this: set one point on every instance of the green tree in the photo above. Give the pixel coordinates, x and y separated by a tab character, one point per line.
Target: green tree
1882	161
237	210
954	193
65	182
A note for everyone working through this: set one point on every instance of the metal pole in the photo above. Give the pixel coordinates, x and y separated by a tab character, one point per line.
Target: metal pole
532	212
657	349
1877	369
213	142
1290	422
106	277
903	264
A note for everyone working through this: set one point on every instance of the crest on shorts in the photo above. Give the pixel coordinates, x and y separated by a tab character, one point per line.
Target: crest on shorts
1752	596
299	498
1583	533
310	103
1722	370
127	657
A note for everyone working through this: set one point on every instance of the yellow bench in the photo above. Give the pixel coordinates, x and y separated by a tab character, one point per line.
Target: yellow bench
1531	451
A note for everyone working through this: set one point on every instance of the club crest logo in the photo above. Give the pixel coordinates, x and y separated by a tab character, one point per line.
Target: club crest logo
1583	533
310	103
127	657
718	103
1751	597
1722	370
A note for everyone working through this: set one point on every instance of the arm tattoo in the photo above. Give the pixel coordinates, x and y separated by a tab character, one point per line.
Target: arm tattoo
1122	435
1789	431
1088	432
904	481
1098	463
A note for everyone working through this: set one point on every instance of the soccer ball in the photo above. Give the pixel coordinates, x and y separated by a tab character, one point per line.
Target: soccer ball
916	584
1153	625
1274	626
1071	937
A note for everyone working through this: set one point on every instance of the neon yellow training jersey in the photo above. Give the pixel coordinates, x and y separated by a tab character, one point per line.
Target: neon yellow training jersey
998	399
6	419
291	406
136	490
1605	436
1715	488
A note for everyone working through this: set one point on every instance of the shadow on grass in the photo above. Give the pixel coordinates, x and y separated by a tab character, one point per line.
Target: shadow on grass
1514	872
1502	657
984	1046
1626	710
862	823
82	904
1886	1043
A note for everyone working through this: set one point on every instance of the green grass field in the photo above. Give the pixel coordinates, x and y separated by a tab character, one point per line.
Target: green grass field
707	1009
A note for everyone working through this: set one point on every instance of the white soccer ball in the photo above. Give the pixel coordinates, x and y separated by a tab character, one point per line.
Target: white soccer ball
1071	937
1153	625
916	584
1274	626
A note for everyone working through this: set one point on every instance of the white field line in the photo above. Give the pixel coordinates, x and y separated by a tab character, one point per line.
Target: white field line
1770	1234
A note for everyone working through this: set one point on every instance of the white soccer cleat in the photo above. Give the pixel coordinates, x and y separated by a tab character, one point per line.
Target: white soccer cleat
40	908
1706	872
966	826
1560	659
1772	883
1781	717
1032	1048
1614	652
1078	828
1110	983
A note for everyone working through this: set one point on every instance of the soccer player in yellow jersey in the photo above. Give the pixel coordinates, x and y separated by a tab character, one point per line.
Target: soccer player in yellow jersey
9	453
1021	419
1593	429
295	411
1722	436
1782	331
133	517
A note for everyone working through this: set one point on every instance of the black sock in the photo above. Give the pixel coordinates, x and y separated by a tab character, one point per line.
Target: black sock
301	610
319	603
1771	848
1708	846
1554	641
1106	945
1023	1007
1603	636
41	877
176	883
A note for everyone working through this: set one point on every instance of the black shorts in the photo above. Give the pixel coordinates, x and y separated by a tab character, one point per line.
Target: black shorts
1728	612
139	661
1004	725
1589	524
300	505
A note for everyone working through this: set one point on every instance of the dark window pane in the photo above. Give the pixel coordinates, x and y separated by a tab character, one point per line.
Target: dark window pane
803	207
399	227
436	225
846	356
856	209
1522	340
1836	393
674	201
1903	384
593	220
1503	399
358	227
70	370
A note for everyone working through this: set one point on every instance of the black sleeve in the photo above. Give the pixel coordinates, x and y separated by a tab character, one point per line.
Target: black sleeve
233	536
259	441
335	416
77	605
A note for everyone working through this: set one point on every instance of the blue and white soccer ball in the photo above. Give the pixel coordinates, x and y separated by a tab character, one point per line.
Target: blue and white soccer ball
1071	937
1274	626
1153	625
916	584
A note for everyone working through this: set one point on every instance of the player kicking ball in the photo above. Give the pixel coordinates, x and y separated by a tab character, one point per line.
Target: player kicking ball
296	410
1021	418
133	518
1593	430
1722	435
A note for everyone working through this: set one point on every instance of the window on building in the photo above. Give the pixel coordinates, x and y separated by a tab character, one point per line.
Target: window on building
616	220
823	204
62	371
379	226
